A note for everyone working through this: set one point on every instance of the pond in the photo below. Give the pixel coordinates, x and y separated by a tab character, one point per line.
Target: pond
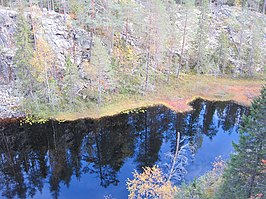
94	158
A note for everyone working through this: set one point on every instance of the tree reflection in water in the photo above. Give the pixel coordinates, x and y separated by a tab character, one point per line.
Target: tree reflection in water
34	155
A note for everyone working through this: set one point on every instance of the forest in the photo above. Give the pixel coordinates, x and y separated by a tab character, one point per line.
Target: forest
104	86
71	56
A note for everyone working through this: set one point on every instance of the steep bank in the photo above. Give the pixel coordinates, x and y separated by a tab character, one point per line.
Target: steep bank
67	72
57	31
59	34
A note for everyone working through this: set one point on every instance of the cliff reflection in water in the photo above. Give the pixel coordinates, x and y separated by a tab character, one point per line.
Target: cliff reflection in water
40	157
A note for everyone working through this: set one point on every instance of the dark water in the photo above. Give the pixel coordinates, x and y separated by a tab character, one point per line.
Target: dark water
93	159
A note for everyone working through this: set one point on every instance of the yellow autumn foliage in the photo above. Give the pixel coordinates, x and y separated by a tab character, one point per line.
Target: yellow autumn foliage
151	183
125	54
238	3
43	60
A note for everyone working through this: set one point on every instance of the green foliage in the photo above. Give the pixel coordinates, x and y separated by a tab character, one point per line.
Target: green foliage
202	56
137	46
24	51
24	43
99	72
126	65
135	110
205	186
43	94
223	57
72	101
32	120
245	176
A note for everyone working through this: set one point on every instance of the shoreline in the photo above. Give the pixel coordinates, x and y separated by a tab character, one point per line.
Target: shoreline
176	97
141	106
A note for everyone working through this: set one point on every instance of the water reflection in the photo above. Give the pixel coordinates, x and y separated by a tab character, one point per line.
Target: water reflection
45	159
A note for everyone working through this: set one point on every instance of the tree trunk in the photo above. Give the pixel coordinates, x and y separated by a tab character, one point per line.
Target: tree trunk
33	26
169	66
99	86
201	21
92	9
111	40
41	5
251	58
264	7
64	7
187	67
182	48
127	29
147	70
199	58
10	72
239	54
148	55
175	156
52	5
48	5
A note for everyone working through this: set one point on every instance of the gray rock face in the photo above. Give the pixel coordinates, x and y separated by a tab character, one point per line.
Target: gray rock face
7	28
6	65
9	103
66	41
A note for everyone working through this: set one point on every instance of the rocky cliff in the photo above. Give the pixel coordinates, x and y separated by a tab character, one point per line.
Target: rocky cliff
66	40
221	40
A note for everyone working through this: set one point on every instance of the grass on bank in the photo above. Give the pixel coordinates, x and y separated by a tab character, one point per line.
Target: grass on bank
177	95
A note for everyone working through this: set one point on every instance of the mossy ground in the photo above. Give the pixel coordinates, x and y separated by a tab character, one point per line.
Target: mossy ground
177	95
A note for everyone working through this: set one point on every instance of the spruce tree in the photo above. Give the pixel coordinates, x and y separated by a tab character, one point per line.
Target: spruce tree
24	44
245	176
99	71
25	82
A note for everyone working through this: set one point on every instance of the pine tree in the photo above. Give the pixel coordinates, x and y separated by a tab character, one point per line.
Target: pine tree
70	84
201	39
99	70
153	33
24	44
245	175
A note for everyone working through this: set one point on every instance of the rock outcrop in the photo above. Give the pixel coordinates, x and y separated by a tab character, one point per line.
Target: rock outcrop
9	103
66	40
